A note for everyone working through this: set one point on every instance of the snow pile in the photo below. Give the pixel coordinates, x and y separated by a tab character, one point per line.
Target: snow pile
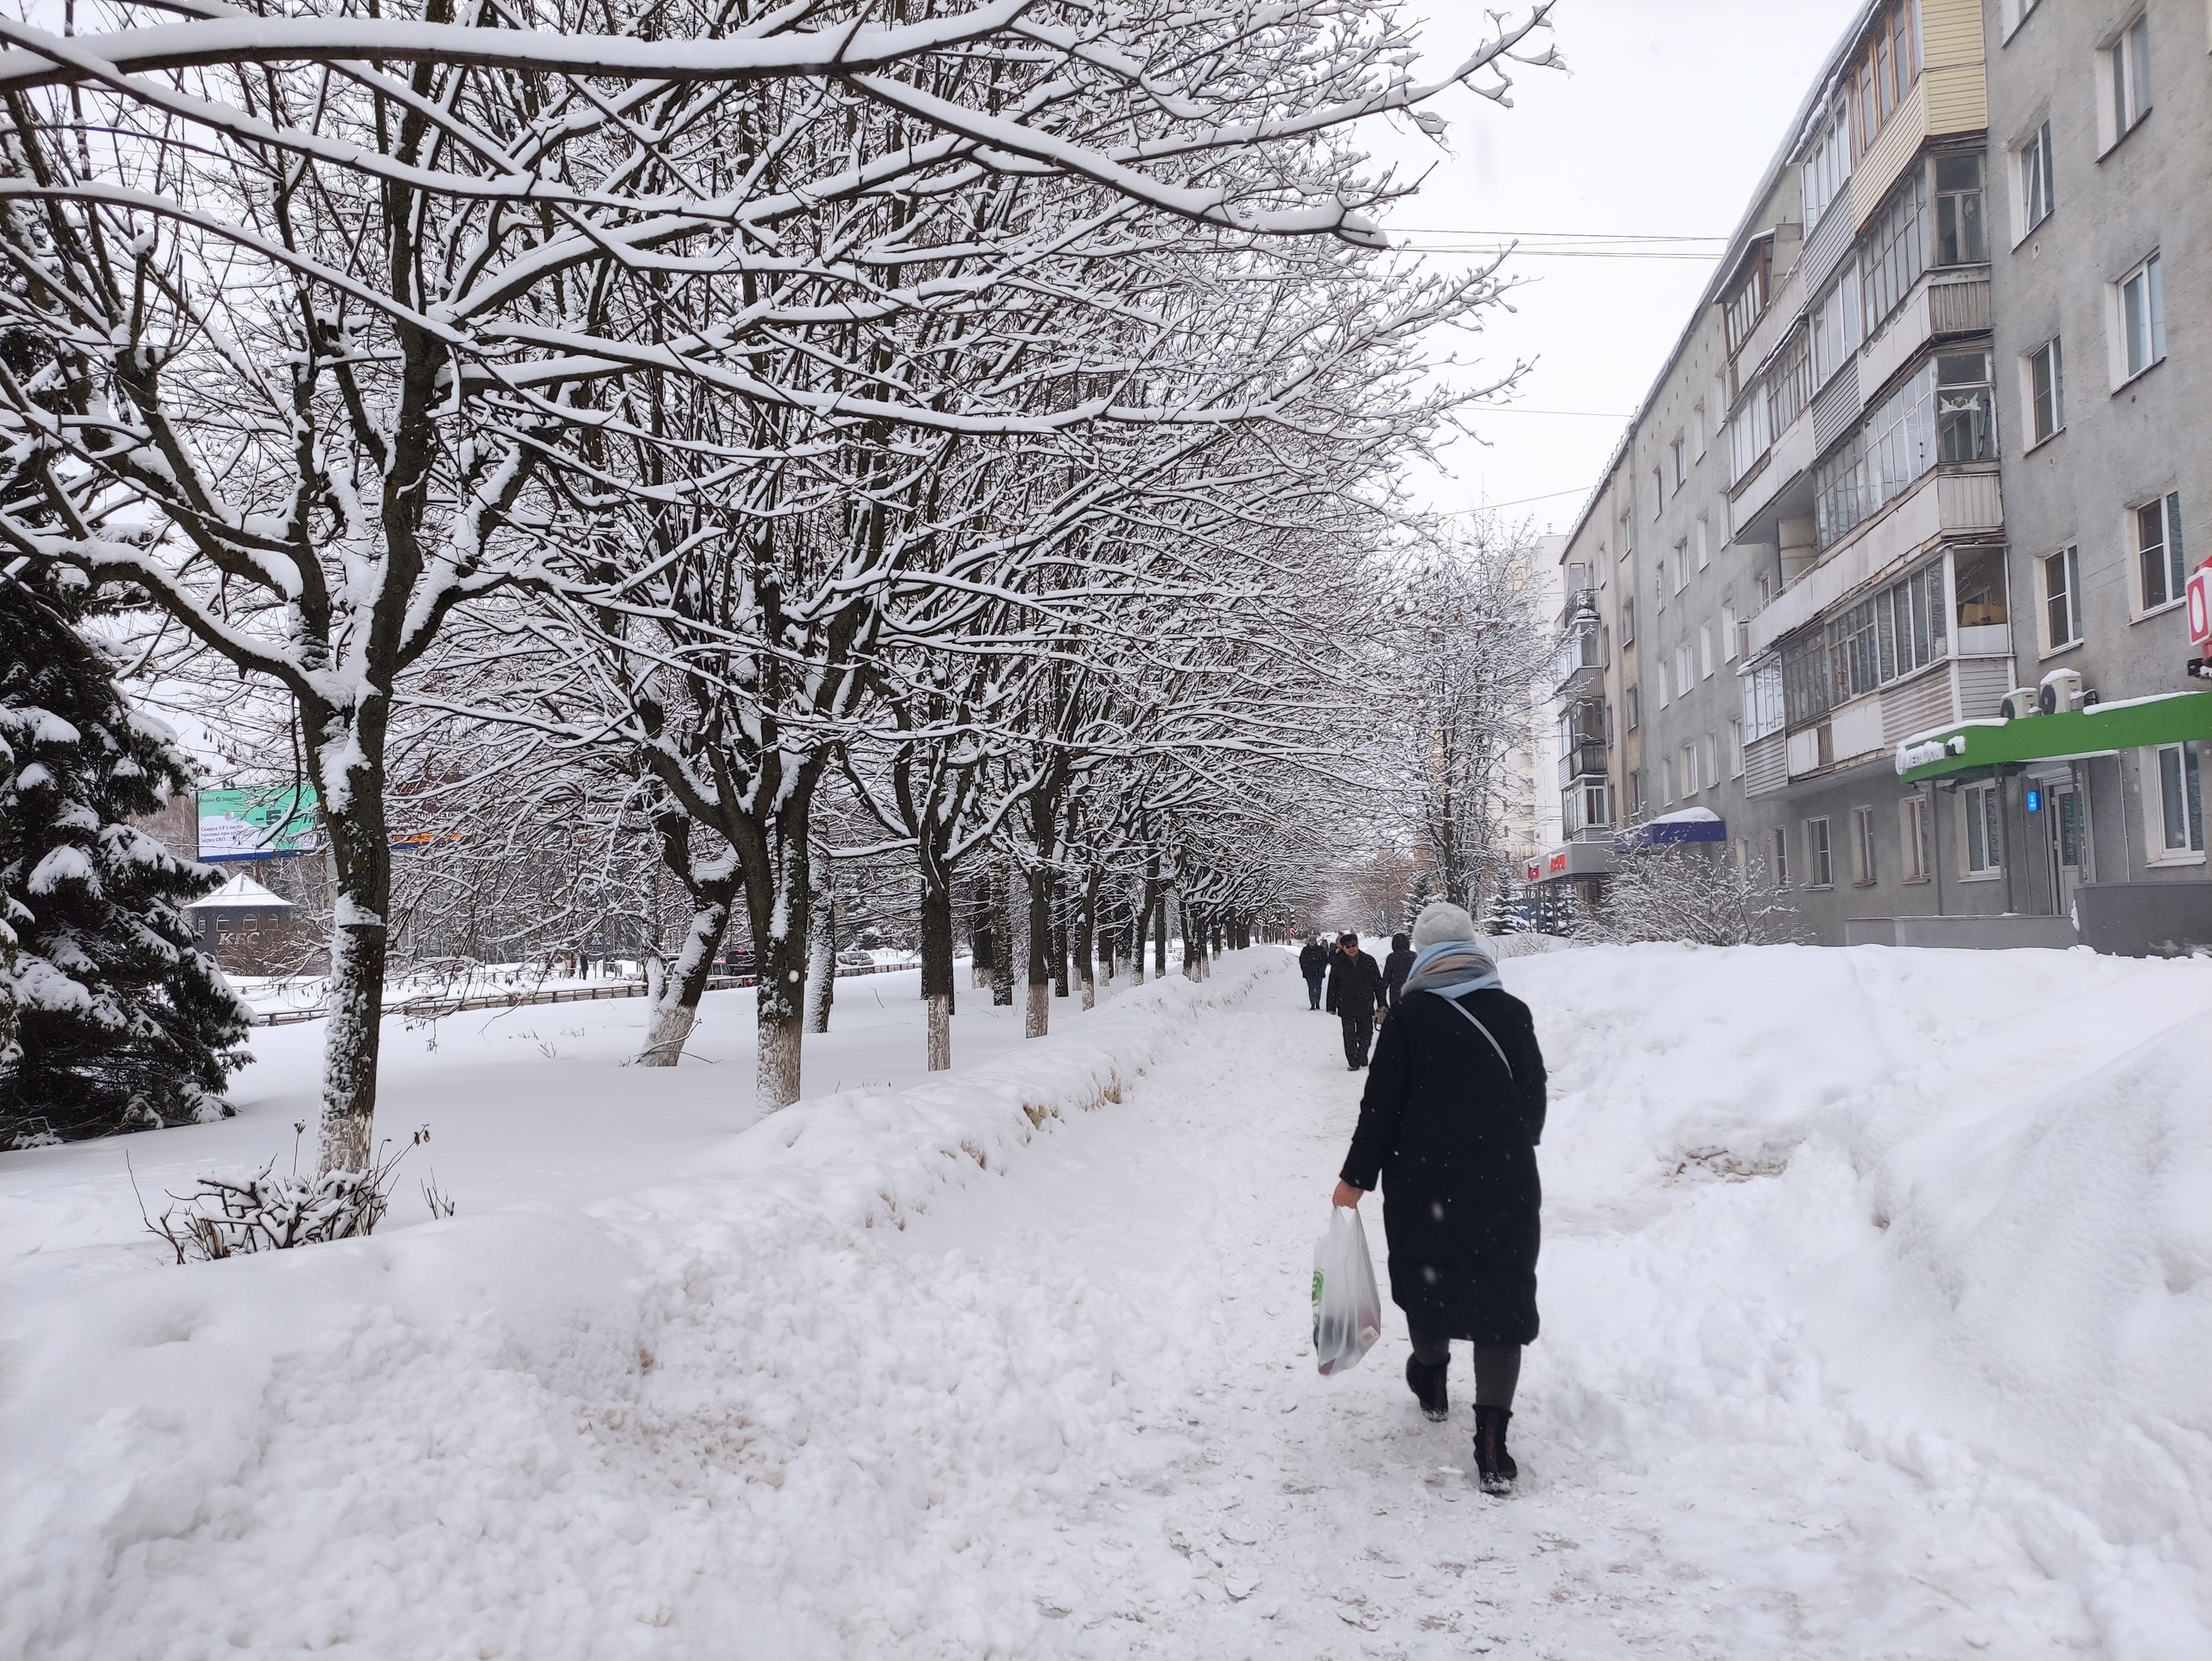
434	1441
1954	1209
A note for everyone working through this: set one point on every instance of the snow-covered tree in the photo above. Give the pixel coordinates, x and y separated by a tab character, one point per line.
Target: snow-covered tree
1688	893
114	1019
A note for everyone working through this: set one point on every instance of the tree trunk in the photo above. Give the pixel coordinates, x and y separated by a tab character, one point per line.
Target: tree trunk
361	860
1001	882
821	962
937	957
676	1005
1060	981
979	930
1086	939
1191	945
1141	925
1038	1019
779	907
1160	936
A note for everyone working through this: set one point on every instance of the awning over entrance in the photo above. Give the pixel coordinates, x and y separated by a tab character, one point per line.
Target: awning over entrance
1691	825
1981	747
1572	859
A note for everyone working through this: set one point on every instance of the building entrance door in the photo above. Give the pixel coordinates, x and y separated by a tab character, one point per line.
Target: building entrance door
2068	830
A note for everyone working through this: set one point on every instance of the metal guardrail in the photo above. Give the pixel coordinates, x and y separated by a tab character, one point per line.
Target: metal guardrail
430	1008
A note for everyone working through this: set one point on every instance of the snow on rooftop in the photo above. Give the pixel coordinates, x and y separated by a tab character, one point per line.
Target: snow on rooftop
240	893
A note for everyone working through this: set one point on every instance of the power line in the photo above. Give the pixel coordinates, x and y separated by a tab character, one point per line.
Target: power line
1523	409
1570	236
1518	501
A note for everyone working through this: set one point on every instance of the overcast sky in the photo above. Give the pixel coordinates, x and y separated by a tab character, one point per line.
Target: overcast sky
1668	114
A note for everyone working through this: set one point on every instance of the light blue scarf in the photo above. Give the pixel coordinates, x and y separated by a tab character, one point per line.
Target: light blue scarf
1452	969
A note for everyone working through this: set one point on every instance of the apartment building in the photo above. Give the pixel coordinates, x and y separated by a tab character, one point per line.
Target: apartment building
1798	572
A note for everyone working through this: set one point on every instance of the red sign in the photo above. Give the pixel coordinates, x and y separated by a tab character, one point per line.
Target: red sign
2200	605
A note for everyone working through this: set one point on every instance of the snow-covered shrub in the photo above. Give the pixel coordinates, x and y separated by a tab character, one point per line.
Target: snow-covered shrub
225	1216
1685	893
111	1019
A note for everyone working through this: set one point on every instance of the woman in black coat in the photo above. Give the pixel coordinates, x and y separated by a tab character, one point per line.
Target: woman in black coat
1449	1124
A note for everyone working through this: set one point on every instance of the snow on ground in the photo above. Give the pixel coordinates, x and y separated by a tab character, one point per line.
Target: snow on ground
1878	1291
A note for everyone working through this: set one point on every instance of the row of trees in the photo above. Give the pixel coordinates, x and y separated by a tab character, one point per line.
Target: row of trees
730	439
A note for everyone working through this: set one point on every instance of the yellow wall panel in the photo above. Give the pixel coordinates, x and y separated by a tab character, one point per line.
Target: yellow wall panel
1900	141
1958	99
1950	33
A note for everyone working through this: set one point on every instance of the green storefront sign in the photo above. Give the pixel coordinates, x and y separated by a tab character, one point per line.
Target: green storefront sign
1981	747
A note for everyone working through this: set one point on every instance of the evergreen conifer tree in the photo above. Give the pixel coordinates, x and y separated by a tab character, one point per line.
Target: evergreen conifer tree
111	1019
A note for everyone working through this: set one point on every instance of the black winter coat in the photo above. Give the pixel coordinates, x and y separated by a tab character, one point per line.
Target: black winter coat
1452	1139
1396	968
1355	983
1314	960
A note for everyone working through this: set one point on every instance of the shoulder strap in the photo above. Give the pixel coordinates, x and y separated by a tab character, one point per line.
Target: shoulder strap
1465	1015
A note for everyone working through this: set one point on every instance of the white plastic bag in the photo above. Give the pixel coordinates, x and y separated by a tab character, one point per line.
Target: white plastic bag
1347	1309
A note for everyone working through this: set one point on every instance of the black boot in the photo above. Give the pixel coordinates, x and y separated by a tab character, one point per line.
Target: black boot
1492	1462
1427	1384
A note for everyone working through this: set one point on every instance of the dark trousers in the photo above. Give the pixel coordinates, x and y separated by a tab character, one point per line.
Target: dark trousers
1498	1366
1359	1033
1313	991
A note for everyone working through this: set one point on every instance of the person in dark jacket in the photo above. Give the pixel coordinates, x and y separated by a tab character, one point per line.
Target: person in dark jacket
1448	1127
1355	991
1313	964
1397	965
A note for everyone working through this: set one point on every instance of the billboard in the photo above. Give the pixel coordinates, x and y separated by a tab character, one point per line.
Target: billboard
258	822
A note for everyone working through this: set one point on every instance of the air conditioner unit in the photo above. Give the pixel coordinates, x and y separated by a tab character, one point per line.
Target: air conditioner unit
2061	691
2020	701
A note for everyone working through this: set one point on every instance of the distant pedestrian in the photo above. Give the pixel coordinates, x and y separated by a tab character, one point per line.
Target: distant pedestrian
1397	965
1313	964
1449	1125
1355	992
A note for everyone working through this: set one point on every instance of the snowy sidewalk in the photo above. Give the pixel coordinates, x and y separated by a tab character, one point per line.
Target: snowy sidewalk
1819	1296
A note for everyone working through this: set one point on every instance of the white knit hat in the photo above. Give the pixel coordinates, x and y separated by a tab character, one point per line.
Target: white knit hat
1442	920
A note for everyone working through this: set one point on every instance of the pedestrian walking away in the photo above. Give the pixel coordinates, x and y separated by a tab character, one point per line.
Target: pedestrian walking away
1448	1128
1397	965
1313	964
1355	993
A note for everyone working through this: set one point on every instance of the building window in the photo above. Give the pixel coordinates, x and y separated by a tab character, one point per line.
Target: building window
1819	873
1704	650
1709	754
1965	408
1742	310
1659	587
1635	706
1658	493
1895	252
1666	781
2035	191
1888	66
2014	12
1862	847
1912	814
1728	633
1702	536
1960	239
1764	706
1628	622
1895	632
1628	533
2046	389
2125	68
1638	797
1828	165
1781	858
2062	599
1836	324
2181	802
2139	312
1689	770
1736	749
1978	574
1985	830
1685	673
2158	551
1697	426
1681	461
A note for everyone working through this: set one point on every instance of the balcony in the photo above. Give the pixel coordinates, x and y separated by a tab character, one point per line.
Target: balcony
1586	810
1586	761
1937	504
1943	304
1579	662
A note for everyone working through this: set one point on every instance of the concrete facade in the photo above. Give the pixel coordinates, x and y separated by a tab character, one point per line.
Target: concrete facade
1820	535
